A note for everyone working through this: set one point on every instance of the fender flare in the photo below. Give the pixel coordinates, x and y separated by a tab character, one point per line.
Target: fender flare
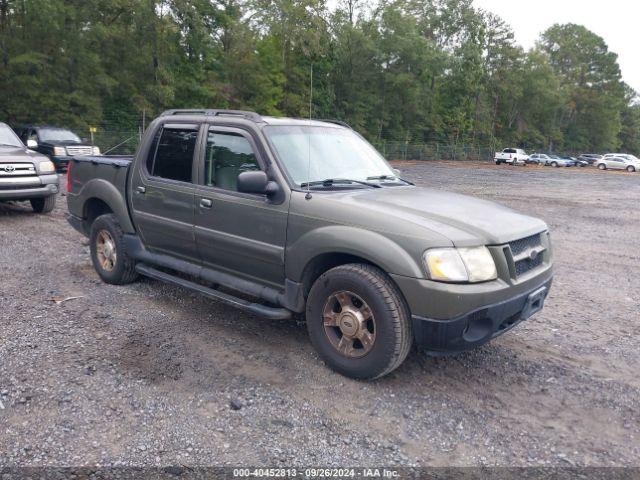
103	190
342	239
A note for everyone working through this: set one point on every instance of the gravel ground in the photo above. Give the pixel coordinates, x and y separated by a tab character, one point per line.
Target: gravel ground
151	375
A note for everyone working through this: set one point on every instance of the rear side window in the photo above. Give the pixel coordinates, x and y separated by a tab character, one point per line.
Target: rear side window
173	157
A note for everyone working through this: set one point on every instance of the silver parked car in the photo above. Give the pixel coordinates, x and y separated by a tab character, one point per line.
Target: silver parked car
621	161
539	158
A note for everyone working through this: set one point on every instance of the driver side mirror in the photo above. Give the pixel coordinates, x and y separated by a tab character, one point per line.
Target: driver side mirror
256	182
32	143
397	172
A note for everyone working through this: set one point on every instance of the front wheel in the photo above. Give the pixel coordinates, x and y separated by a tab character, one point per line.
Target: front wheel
108	251
631	169
43	205
358	321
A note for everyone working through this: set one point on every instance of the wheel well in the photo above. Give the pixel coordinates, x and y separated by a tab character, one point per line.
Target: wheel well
326	261
93	208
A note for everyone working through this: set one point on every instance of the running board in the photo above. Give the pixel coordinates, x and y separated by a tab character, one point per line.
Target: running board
272	313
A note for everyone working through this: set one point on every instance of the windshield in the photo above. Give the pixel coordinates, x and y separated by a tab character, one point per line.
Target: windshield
312	154
8	138
57	135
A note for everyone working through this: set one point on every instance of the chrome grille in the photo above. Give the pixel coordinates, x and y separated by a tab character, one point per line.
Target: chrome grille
79	150
526	254
16	169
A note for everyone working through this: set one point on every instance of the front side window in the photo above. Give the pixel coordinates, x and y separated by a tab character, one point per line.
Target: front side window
226	156
315	153
174	154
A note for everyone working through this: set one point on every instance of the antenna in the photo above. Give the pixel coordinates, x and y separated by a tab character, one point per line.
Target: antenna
311	94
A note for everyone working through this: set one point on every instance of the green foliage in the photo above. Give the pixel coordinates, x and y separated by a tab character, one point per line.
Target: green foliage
404	71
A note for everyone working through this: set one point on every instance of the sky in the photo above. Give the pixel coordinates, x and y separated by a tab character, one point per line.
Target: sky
616	21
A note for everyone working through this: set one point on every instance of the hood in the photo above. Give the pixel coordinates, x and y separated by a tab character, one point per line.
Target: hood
20	155
466	221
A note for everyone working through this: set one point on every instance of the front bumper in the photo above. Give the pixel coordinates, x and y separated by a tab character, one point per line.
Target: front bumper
61	161
479	326
33	187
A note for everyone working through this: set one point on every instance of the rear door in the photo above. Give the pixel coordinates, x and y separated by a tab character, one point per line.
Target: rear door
243	234
163	189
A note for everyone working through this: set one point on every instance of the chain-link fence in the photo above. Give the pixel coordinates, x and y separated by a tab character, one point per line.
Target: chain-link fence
125	141
433	151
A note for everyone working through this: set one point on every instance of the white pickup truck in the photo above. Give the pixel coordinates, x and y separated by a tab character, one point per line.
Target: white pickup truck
512	156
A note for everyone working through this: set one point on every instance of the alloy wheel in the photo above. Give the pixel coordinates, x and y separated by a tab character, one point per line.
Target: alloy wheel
349	324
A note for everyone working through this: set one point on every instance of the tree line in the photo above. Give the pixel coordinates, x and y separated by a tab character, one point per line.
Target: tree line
413	71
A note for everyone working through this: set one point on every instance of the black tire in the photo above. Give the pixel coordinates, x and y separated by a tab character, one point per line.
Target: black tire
390	313
631	169
123	269
602	166
498	162
43	205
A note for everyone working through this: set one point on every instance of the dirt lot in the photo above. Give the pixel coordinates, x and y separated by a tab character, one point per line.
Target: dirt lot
145	374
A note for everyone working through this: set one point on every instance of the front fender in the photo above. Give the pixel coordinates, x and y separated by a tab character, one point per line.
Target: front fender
369	245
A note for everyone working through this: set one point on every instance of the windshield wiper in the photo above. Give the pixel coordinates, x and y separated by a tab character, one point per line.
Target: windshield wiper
9	145
389	177
328	182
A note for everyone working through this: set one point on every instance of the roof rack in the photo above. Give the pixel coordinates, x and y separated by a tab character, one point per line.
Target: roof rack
214	113
337	122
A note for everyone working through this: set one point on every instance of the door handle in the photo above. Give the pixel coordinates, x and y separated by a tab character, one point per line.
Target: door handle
141	190
206	203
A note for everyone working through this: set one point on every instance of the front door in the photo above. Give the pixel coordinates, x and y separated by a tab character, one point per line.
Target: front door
243	234
163	192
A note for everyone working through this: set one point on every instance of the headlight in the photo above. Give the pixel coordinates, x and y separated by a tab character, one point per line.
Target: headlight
59	151
460	264
96	150
46	167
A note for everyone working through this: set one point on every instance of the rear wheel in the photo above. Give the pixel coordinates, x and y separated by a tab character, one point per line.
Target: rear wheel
554	164
43	205
358	321
498	162
108	251
631	169
602	166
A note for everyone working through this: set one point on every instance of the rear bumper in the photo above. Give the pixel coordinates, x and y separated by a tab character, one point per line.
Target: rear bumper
39	187
479	326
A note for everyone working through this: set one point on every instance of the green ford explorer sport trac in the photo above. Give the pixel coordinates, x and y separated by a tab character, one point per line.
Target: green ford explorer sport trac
304	217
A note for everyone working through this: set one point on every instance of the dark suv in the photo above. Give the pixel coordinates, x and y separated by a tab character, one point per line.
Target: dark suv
59	144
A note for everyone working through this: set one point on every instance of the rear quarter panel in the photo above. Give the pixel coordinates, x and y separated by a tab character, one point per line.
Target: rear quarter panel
102	178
